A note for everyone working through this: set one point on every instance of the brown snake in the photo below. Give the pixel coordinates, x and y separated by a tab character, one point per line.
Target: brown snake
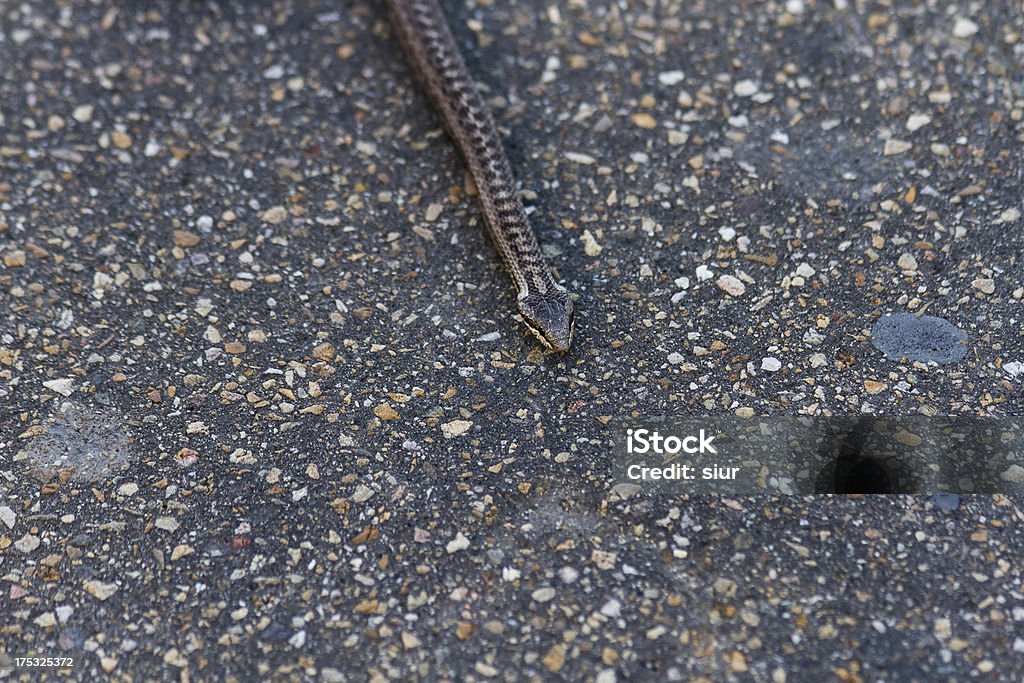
544	305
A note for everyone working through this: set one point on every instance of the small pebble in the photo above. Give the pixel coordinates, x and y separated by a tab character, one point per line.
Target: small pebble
731	285
964	27
460	542
745	88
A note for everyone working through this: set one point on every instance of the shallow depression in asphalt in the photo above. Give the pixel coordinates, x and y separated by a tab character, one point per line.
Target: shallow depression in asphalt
77	443
924	339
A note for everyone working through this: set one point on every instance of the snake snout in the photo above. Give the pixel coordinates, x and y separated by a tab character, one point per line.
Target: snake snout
550	318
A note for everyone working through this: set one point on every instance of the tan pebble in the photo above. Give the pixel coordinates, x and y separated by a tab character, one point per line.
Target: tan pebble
878	20
324	351
644	120
433	212
873	387
907	262
985	285
907	438
184	238
385	412
455	428
14	259
590	245
121	139
100	590
274	215
181	550
554	660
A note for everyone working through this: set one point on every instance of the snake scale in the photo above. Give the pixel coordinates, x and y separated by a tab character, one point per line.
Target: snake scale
543	304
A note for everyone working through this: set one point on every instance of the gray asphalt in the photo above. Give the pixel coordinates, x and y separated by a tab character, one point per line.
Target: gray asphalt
267	413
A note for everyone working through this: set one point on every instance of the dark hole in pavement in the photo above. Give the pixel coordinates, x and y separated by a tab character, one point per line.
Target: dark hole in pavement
856	469
863	475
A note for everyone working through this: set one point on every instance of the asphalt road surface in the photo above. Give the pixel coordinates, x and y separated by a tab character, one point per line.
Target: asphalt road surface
267	414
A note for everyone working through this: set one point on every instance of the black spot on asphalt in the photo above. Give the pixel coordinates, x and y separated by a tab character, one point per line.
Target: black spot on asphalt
860	464
925	339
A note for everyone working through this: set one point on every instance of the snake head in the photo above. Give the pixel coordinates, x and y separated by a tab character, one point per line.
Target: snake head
549	316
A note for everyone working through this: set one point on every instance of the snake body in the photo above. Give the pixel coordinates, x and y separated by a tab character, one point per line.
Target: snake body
544	305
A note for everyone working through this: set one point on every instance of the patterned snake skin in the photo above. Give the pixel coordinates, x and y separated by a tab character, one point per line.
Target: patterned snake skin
544	304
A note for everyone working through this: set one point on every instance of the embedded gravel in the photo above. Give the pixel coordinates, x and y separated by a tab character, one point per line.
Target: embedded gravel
238	251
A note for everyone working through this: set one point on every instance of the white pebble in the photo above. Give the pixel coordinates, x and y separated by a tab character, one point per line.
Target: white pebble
670	77
1013	474
275	71
907	262
1008	216
7	516
64	387
578	158
731	285
917	122
771	364
745	88
893	147
612	608
458	543
568	574
964	27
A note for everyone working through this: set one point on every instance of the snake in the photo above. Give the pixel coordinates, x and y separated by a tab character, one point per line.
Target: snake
545	306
